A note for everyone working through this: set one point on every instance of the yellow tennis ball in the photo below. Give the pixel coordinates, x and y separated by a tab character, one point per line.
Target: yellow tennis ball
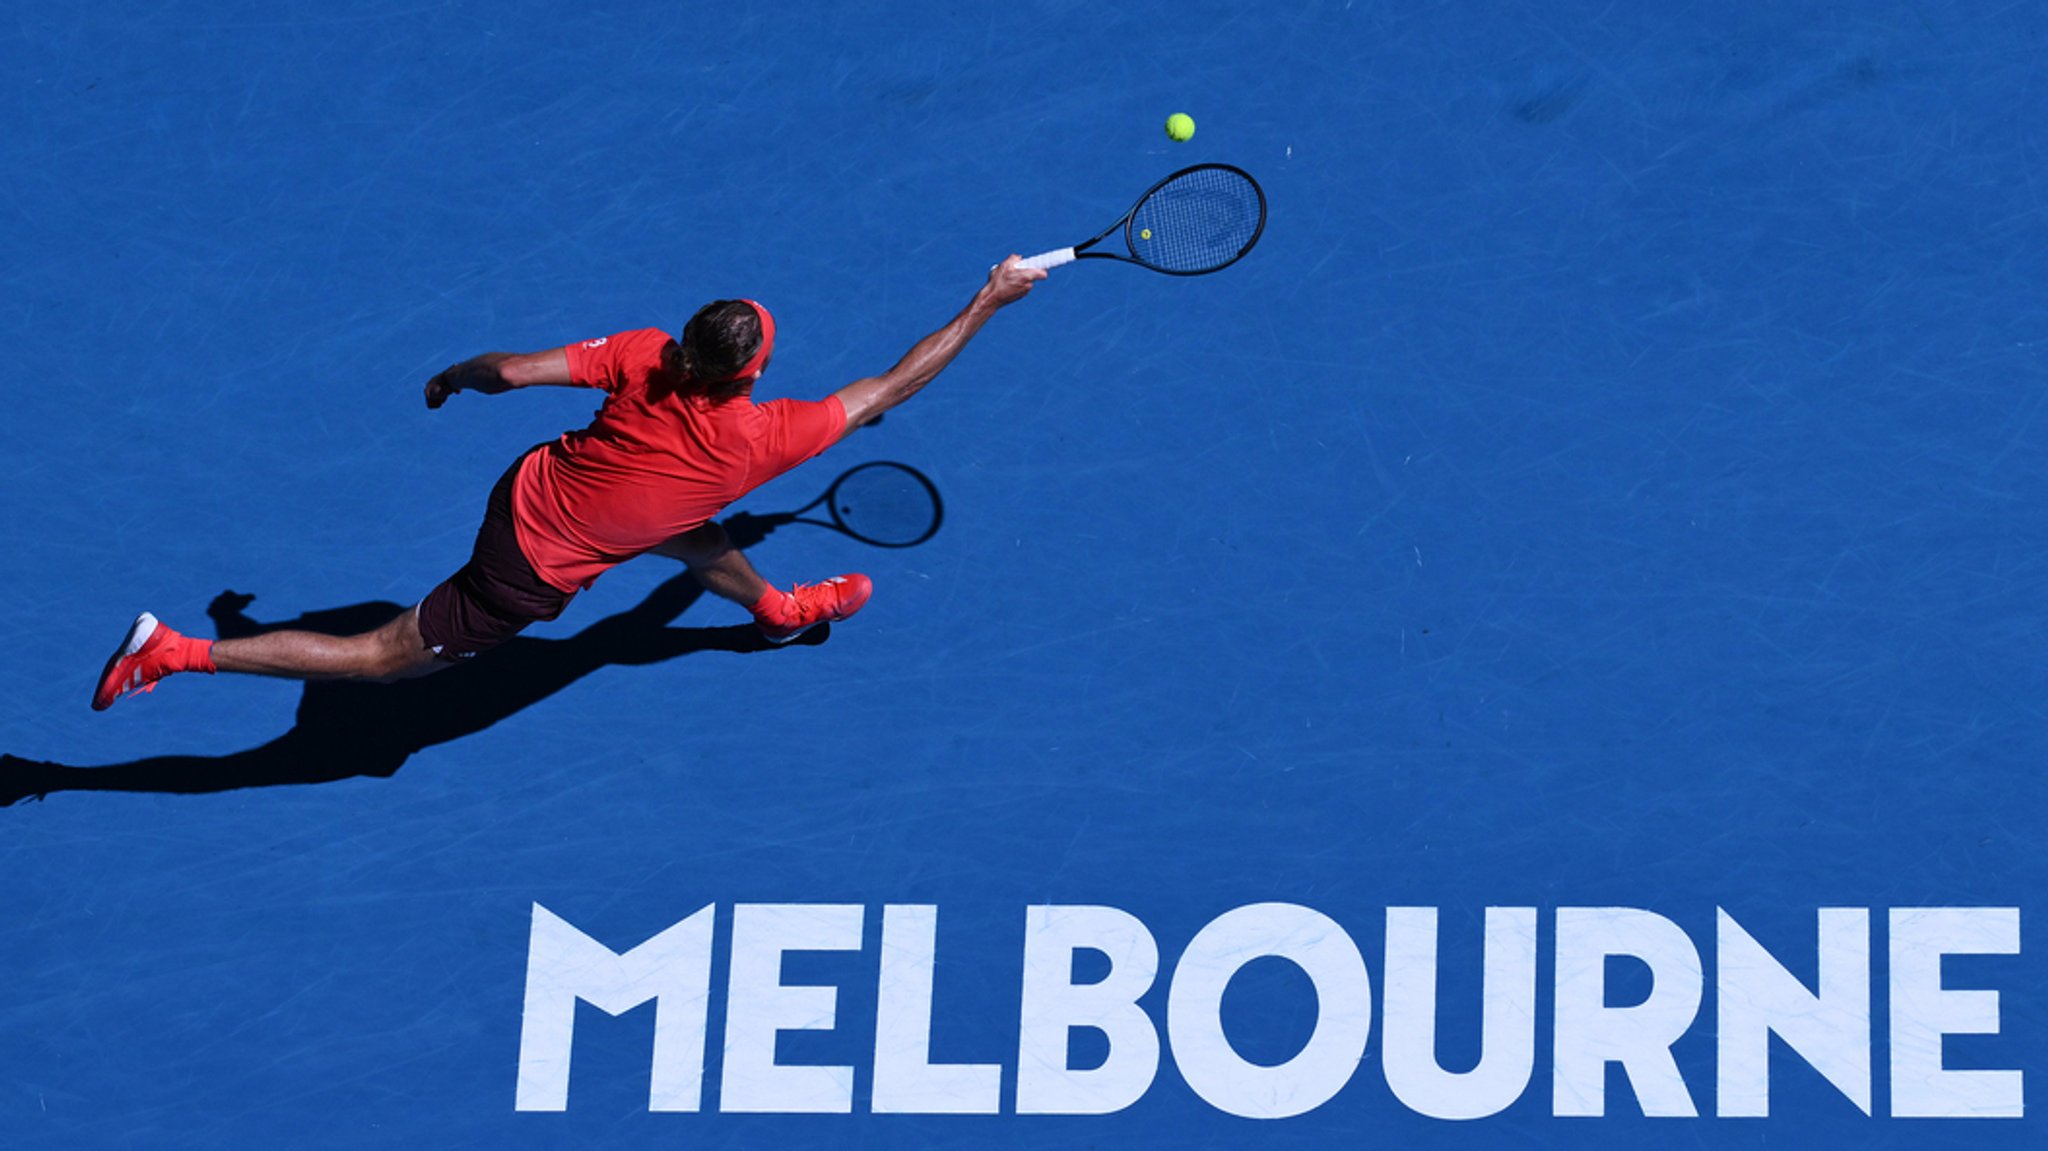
1180	126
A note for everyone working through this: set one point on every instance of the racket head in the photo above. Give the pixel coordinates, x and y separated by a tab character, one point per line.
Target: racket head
885	504
1198	220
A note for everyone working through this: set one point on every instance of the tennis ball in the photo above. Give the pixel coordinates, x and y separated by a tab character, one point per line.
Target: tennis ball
1180	126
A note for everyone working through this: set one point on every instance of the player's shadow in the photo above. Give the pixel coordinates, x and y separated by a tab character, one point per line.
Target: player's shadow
345	730
355	729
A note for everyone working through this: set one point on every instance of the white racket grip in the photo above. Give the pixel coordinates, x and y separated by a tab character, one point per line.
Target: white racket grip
1048	260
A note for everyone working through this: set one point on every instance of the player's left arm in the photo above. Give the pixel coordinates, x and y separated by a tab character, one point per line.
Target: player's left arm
495	372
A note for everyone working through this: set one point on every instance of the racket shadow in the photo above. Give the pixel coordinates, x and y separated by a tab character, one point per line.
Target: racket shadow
881	503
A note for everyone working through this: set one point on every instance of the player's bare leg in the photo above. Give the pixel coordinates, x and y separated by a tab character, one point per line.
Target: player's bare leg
389	653
723	569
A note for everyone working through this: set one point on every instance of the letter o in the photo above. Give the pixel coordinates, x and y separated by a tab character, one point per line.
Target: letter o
1311	941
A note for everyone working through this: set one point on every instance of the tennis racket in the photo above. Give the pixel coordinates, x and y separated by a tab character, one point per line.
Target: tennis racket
1198	220
883	504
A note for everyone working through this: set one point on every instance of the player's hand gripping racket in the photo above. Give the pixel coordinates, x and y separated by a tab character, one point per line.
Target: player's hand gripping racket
887	505
1198	220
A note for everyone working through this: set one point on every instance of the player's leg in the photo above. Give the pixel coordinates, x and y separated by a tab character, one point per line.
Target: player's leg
153	649
725	571
392	652
722	568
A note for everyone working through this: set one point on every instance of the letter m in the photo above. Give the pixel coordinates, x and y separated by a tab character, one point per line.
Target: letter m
564	965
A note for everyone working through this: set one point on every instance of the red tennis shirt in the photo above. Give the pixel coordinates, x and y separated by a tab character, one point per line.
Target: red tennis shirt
653	463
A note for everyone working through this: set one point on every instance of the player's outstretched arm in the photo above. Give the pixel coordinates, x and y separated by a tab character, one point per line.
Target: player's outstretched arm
868	398
495	372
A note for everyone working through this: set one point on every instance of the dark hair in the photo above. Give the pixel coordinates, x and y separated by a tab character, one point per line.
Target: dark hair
717	342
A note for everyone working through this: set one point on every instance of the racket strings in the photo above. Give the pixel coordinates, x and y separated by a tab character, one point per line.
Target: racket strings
1201	220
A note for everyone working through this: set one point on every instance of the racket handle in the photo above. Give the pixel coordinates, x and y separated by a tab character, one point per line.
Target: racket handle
1046	260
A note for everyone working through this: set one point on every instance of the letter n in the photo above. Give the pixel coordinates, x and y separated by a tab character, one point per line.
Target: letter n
1757	997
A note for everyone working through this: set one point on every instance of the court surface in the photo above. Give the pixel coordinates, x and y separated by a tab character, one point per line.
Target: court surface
1611	493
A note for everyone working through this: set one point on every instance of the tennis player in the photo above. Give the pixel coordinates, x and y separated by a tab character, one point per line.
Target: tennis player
677	438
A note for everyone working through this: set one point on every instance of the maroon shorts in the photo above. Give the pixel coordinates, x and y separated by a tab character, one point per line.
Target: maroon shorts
495	595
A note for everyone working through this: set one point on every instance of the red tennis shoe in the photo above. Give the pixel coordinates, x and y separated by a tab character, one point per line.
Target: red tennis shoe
141	660
787	615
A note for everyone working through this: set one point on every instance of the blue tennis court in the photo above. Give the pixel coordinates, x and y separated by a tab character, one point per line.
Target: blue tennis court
1546	651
